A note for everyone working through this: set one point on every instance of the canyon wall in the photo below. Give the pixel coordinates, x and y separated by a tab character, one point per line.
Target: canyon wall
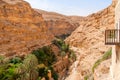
21	28
58	24
95	22
89	38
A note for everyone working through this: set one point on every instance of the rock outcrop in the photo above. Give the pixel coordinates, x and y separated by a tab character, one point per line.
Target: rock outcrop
21	28
58	24
89	38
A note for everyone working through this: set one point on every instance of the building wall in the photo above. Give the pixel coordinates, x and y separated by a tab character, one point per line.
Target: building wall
117	12
115	68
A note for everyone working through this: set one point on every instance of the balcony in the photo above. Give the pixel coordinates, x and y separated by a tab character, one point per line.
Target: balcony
112	37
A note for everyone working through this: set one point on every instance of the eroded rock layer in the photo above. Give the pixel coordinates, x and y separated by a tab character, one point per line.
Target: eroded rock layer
58	24
21	28
89	38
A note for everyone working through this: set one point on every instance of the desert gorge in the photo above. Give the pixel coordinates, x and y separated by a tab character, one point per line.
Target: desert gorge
40	45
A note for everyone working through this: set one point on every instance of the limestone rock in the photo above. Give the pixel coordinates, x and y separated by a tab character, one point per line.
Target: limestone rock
21	28
89	37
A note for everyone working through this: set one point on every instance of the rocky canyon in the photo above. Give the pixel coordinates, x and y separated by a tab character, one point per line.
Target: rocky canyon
24	29
88	41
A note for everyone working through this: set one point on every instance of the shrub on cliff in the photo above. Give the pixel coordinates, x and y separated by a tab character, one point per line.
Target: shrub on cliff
104	57
72	55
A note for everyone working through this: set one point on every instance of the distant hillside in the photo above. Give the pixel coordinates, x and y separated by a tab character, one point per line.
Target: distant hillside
58	24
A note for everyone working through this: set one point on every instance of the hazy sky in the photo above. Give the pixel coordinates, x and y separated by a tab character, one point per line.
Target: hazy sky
71	7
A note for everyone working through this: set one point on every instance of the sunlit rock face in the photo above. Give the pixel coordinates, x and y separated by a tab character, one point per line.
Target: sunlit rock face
21	28
89	38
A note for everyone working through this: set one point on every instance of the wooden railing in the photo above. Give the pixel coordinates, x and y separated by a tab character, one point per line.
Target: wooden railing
112	37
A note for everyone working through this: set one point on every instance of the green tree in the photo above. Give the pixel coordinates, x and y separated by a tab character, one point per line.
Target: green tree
31	63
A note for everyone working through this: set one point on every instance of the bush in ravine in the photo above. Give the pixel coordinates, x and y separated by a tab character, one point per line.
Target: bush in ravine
58	43
16	60
15	69
72	55
8	71
64	48
45	55
45	58
54	74
29	68
2	59
31	63
33	66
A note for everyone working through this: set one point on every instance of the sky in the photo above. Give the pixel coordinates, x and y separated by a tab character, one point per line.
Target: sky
71	7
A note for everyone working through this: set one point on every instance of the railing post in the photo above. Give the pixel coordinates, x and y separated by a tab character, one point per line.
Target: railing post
110	36
114	36
119	36
105	37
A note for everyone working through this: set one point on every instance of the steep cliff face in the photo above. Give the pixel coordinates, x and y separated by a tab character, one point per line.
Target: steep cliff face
61	27
59	24
91	27
89	38
21	28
